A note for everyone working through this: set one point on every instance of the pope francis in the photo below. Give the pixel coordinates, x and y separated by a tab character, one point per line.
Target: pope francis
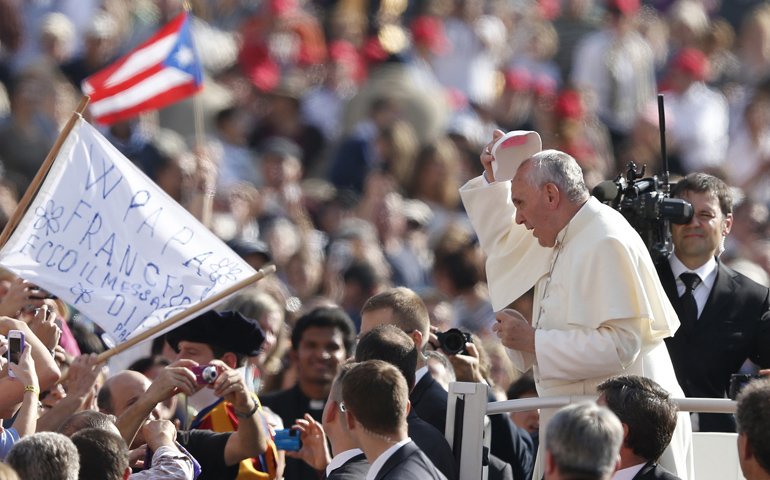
599	308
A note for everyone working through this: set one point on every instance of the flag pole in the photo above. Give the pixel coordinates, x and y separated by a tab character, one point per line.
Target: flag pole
186	313
207	203
21	208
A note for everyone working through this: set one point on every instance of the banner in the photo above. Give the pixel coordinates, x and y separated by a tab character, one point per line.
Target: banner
108	241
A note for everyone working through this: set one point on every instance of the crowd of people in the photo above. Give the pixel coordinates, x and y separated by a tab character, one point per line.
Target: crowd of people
342	146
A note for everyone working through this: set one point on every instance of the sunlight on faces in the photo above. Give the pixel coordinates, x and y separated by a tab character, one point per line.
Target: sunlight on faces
532	208
699	239
318	354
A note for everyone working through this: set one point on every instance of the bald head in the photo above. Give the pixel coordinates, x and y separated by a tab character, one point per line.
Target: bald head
122	391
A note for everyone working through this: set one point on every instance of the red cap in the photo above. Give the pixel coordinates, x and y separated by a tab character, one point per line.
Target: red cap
544	86
626	7
569	105
691	61
429	31
282	8
343	52
518	80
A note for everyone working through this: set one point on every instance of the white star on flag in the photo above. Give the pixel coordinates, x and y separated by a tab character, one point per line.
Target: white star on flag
184	57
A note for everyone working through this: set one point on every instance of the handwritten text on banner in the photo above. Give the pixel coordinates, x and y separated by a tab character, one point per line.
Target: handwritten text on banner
110	242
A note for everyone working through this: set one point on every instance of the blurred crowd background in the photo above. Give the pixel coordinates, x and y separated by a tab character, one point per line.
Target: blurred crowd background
338	132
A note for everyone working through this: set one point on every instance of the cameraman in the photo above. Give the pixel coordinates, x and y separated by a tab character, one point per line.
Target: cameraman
722	316
599	308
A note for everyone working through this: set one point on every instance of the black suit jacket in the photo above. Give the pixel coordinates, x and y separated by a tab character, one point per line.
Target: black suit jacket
729	331
433	445
291	404
409	463
429	402
653	471
354	469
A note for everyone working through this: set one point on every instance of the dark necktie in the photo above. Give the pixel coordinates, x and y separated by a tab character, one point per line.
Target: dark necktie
689	305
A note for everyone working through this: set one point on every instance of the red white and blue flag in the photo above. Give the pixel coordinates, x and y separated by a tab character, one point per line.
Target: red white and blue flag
159	72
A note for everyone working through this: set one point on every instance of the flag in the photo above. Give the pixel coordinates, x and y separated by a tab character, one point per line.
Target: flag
161	71
107	240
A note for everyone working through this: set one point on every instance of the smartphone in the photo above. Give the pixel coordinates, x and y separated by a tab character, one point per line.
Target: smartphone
15	347
205	374
287	439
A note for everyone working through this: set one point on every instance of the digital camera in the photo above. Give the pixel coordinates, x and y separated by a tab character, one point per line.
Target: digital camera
205	374
453	341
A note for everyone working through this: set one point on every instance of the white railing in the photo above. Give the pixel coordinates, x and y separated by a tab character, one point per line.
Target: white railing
468	406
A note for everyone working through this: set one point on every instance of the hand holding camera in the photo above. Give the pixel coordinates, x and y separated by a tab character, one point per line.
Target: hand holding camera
174	379
21	295
461	352
230	385
310	444
20	364
44	326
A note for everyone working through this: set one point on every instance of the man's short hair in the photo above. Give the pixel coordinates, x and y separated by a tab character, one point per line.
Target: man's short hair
646	408
103	454
753	419
409	312
705	183
323	317
559	168
584	440
390	344
375	392
86	419
45	456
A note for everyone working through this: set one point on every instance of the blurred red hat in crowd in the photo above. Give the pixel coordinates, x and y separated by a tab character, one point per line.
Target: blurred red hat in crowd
342	51
626	7
429	31
691	61
544	86
518	80
569	105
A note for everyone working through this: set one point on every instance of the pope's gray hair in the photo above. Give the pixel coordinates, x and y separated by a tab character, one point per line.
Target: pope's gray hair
553	166
584	440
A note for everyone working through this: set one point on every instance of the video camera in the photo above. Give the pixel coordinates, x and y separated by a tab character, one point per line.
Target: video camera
645	202
646	205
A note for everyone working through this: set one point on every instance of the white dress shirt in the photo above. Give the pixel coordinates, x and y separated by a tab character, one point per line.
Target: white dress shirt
342	459
628	473
377	465
708	276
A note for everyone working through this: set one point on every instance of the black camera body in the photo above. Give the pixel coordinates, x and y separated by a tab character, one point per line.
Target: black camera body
737	382
453	341
646	204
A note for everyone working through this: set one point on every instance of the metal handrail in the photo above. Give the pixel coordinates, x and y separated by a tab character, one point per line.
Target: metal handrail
710	405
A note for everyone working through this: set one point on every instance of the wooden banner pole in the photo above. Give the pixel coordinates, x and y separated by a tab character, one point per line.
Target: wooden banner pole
21	209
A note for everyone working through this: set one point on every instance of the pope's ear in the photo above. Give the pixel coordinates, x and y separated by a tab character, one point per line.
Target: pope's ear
552	194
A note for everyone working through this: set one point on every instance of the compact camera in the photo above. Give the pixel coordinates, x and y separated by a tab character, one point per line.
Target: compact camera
737	382
453	341
205	374
287	439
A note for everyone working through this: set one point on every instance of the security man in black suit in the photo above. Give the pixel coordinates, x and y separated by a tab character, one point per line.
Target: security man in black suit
388	343
649	418
720	310
404	309
375	399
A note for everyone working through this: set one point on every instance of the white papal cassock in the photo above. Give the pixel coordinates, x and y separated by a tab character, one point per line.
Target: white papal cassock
603	313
